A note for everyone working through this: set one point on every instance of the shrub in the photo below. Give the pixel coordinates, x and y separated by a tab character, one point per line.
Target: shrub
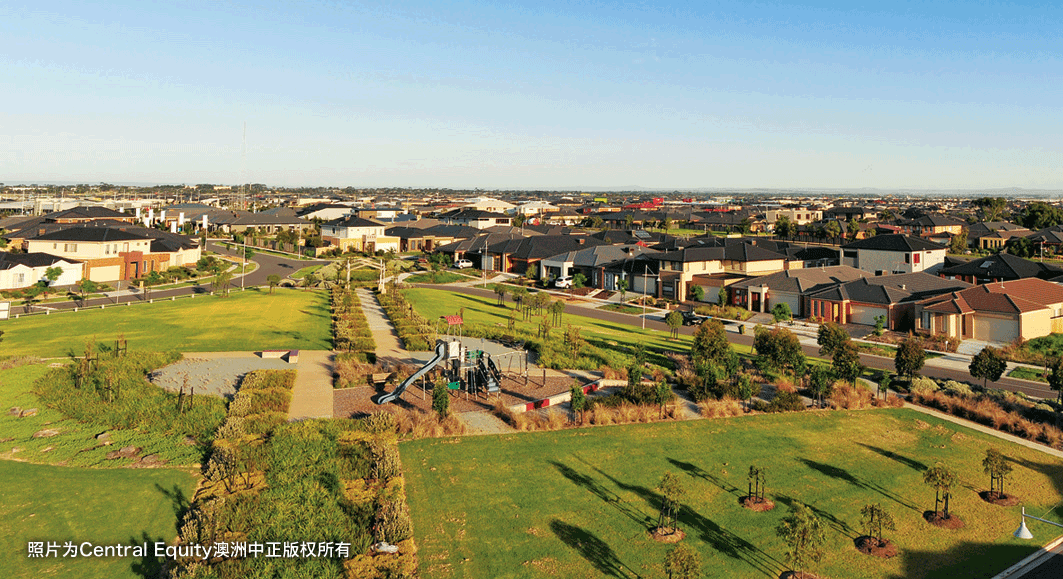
719	408
849	397
955	388
786	402
392	522
922	384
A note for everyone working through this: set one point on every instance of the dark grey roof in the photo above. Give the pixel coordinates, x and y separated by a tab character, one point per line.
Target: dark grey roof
892	289
893	243
728	252
86	213
805	281
1003	266
600	255
467	214
89	234
353	221
10	260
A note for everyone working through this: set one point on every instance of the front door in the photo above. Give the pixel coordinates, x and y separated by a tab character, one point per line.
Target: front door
754	301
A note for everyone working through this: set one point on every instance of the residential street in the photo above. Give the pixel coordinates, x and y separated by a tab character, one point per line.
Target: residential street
948	368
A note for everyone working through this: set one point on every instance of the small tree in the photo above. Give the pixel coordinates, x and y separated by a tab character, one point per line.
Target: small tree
746	388
830	337
557	308
579	401
998	468
942	479
501	290
781	312
52	274
846	363
884	384
87	286
682	562
757	478
674	319
579	280
530	272
621	286
821	382
274	280
1055	379
440	397
909	358
698	292
309	280
875	520
779	348
804	536
880	325
989	364
722	296
671	494
710	342
662	395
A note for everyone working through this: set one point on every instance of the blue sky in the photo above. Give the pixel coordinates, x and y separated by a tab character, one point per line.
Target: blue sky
544	95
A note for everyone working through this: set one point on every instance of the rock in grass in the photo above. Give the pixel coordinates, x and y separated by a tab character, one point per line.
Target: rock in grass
15	411
46	433
28	412
124	452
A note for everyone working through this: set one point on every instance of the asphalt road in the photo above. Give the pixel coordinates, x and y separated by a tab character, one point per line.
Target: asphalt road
876	362
268	264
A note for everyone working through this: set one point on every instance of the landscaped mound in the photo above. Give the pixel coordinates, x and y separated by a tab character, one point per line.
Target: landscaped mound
756	504
874	547
995	498
938	519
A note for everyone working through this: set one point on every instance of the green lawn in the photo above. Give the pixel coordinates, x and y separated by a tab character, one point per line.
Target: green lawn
578	503
437	277
622	308
1025	373
104	507
249	320
432	303
305	271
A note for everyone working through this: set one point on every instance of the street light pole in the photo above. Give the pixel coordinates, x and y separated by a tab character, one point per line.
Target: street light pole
243	261
645	276
1022	532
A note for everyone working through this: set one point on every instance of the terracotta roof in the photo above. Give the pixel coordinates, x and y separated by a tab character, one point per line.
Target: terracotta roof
1016	296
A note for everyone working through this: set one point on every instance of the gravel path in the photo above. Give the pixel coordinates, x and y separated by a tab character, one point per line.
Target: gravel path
216	373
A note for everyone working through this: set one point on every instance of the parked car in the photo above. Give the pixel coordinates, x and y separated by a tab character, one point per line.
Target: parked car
563	282
690	318
462	264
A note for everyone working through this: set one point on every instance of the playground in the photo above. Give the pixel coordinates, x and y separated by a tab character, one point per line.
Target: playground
478	373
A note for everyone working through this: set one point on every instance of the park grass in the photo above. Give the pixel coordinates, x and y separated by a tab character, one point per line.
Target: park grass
432	304
306	271
578	503
622	308
437	277
244	321
75	445
105	507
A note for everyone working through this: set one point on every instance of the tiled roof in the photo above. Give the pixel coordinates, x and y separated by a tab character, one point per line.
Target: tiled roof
37	259
893	243
809	280
1003	266
1017	296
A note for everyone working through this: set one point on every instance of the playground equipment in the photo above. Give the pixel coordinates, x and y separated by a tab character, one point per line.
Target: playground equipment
471	370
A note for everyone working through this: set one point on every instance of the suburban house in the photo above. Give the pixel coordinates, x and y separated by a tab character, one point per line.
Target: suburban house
358	234
325	211
240	221
518	254
591	262
792	287
995	312
893	296
477	218
23	228
20	270
892	254
1000	267
711	267
851	212
796	216
932	223
488	204
994	234
118	253
640	271
429	238
475	249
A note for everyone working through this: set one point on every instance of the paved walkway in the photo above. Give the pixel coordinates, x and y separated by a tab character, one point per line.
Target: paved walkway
312	393
388	344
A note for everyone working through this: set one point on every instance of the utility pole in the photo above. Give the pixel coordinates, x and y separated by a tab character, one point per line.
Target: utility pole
645	277
243	260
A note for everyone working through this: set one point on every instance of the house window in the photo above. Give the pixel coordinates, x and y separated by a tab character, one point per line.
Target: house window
907	258
70	247
20	279
916	258
850	254
926	320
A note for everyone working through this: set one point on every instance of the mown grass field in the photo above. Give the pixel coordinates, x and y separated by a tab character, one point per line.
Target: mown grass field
579	503
105	507
244	321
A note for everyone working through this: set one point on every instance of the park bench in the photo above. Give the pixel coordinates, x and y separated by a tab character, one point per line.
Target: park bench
380	378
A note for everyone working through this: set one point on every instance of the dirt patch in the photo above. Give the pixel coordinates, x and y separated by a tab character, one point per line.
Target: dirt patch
758	505
798	575
667	535
547	565
995	498
938	520
873	547
921	425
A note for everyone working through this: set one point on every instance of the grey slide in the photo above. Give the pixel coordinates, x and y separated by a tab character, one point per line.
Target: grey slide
441	354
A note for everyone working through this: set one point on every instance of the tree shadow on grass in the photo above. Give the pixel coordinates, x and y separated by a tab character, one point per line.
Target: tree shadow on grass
696	471
847	477
719	538
149	566
909	462
178	501
591	548
597	489
839	525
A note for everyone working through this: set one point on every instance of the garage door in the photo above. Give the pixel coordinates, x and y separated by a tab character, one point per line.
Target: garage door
865	315
995	329
107	273
792	300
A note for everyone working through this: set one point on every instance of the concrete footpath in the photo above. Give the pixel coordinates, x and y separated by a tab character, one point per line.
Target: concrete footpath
388	345
312	393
